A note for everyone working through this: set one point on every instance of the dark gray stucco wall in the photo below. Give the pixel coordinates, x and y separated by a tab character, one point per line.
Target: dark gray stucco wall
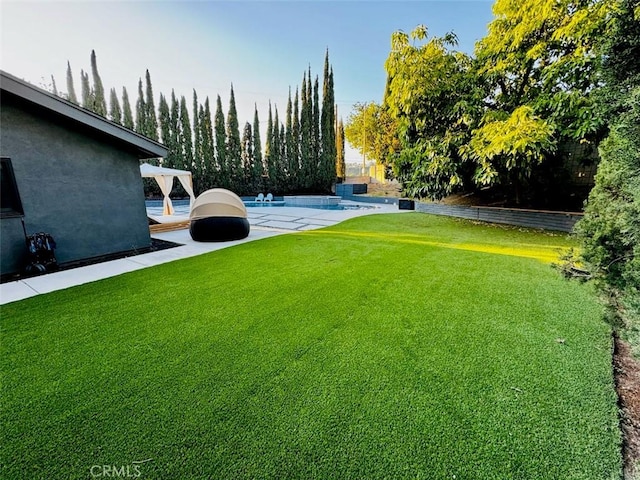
81	189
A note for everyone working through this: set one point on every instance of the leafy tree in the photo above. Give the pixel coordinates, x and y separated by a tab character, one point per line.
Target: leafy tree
431	96
544	55
141	111
127	114
234	146
115	112
99	100
362	129
151	121
542	58
374	132
221	145
514	144
621	59
537	67
71	90
258	166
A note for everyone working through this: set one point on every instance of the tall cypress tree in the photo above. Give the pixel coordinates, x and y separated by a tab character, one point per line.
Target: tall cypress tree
277	174
341	167
234	144
166	135
209	164
221	145
306	119
197	137
172	159
295	155
71	89
290	153
87	94
186	137
258	167
115	112
247	161
54	87
283	168
150	110
141	111
99	100
316	136
327	169
269	156
198	167
127	114
164	118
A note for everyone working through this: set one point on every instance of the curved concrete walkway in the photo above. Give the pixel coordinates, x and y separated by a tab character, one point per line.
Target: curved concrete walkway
265	222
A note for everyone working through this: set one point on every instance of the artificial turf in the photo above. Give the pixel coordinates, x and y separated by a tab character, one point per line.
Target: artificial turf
389	346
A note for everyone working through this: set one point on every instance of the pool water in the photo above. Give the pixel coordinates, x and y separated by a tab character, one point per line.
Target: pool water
181	204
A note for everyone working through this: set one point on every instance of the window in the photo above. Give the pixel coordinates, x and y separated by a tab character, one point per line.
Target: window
10	204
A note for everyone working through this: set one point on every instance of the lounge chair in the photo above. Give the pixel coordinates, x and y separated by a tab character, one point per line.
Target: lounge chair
269	198
260	197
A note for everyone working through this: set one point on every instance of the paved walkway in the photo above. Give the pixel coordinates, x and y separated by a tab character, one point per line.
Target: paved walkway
265	222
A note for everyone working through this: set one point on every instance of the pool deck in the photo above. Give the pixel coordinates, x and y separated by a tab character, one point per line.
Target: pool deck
265	222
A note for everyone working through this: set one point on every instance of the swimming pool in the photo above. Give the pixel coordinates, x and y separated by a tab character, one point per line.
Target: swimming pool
276	204
316	202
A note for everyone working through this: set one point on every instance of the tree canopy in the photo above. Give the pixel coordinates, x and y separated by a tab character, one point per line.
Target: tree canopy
491	119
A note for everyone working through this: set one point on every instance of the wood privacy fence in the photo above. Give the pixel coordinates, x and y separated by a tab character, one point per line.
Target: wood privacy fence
559	221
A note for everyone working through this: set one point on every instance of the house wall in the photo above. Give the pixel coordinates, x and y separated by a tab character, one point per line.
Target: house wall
82	189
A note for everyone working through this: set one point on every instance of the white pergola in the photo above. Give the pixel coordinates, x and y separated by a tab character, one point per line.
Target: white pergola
164	177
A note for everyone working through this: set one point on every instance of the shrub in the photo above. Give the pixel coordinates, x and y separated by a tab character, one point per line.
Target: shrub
610	229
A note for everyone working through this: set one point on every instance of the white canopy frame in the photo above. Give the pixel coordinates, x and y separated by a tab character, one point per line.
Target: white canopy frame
164	176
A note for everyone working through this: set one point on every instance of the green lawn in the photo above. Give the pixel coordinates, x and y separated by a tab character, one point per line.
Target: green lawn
389	346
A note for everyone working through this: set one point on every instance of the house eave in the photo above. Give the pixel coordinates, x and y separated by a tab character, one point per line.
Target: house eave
143	146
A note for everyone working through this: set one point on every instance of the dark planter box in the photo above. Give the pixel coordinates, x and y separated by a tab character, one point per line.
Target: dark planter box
406	204
359	188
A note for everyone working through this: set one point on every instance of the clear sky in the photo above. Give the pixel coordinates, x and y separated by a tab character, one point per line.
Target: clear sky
262	47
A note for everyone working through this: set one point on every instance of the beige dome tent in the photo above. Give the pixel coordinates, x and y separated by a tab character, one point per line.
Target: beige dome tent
218	202
218	215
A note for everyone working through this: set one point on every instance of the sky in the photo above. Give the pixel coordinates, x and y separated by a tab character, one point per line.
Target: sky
261	47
